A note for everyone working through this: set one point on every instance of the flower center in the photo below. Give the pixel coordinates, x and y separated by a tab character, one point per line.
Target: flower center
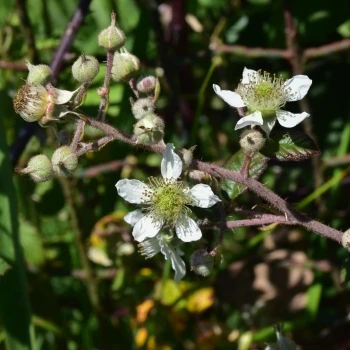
168	199
264	93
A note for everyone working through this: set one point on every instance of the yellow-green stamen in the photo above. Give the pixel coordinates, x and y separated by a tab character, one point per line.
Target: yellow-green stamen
264	93
167	200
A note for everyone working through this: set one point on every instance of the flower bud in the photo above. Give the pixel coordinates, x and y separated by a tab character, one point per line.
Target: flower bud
142	107
147	85
38	74
346	239
124	66
251	140
149	130
202	262
39	168
31	102
64	161
111	38
85	68
187	156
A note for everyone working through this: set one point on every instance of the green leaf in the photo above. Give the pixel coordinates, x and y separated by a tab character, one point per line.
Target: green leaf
4	267
32	244
257	167
292	145
14	300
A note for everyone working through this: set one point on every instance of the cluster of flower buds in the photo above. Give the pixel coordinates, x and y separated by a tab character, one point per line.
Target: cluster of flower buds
40	168
149	128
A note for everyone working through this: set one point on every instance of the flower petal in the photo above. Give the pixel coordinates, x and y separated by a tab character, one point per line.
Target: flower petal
60	97
288	119
187	229
171	166
268	125
133	217
230	97
176	262
203	196
251	119
248	74
299	86
147	227
132	190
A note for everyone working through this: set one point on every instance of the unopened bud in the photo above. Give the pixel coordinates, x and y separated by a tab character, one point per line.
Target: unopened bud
142	107
64	161
187	156
346	239
251	140
147	85
85	68
124	66
38	74
202	262
39	168
149	130
111	38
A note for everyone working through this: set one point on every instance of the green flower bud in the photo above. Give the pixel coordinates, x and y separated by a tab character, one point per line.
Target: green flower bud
112	38
85	68
31	102
346	239
142	107
124	66
64	161
146	85
202	262
39	168
251	140
38	74
149	130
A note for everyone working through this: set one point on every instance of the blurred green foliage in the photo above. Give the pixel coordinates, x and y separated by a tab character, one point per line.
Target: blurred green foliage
264	276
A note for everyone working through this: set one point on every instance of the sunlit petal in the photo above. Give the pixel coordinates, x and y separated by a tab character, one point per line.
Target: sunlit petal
203	196
147	227
299	86
251	119
131	190
171	166
288	119
133	217
230	97
187	229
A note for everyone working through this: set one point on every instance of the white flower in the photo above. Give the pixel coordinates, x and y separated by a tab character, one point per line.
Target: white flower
33	102
165	201
165	244
263	96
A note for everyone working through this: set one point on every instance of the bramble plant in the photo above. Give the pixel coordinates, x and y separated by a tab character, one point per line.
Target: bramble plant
165	221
